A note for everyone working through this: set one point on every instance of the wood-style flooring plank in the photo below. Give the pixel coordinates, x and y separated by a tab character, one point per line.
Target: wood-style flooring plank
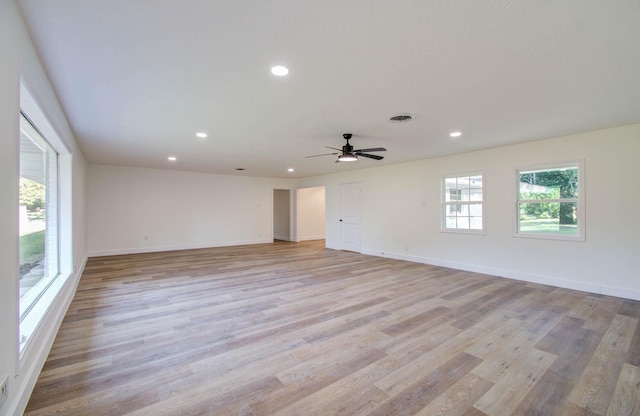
626	398
596	384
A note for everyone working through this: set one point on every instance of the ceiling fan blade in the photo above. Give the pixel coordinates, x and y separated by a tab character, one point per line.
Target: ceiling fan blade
374	149
376	157
333	148
325	154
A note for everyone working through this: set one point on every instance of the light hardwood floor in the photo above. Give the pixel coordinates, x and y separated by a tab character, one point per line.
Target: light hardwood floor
297	329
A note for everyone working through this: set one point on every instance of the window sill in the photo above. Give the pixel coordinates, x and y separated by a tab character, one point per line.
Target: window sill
33	319
560	237
462	231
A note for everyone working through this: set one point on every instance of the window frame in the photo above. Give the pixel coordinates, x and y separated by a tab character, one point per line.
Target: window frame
444	204
579	201
30	323
52	230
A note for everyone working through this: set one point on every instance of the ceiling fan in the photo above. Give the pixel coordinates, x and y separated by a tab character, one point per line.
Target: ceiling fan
349	154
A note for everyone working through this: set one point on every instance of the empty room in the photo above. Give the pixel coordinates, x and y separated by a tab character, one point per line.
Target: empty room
319	208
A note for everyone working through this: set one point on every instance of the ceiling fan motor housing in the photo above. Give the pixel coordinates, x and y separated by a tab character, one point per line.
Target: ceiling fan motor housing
347	148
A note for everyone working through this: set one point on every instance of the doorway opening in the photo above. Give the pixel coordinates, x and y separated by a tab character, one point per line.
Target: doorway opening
310	214
282	215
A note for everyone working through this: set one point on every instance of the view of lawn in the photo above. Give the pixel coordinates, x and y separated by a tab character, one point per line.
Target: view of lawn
31	247
546	226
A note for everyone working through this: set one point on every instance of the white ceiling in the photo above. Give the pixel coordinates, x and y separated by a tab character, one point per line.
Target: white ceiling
138	79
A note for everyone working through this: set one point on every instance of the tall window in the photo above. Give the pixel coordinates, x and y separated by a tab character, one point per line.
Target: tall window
46	246
463	203
39	254
550	202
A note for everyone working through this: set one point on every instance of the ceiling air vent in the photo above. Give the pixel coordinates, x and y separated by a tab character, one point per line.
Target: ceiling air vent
401	118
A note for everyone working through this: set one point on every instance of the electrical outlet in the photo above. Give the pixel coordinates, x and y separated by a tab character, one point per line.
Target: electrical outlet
3	390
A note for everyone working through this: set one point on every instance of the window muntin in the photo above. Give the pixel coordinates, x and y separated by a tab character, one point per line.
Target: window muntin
39	248
549	202
463	203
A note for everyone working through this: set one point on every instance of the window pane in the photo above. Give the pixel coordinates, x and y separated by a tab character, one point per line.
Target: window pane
476	194
453	209
451	190
475	210
463	223
450	222
475	223
38	215
549	184
553	218
464	193
454	195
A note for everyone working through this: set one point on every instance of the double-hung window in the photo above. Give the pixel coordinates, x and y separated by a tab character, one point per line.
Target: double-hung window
462	203
550	202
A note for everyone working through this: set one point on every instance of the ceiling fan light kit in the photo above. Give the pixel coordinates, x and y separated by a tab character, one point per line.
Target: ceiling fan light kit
347	158
348	154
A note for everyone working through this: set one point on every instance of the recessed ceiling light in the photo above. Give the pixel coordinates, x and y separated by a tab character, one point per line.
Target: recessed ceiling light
279	70
401	118
456	134
201	135
290	170
172	158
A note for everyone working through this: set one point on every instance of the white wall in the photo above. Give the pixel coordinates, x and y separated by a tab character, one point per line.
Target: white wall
19	59
311	213
282	214
401	213
132	210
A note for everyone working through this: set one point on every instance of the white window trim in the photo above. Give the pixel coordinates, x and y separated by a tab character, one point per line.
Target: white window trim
29	300
443	204
31	321
580	201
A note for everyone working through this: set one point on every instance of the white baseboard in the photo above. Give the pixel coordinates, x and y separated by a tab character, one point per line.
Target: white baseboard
37	350
312	237
137	250
514	274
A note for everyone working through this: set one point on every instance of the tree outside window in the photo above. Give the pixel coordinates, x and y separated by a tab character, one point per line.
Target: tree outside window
548	201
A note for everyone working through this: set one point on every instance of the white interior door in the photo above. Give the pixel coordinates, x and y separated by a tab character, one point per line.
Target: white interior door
351	216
